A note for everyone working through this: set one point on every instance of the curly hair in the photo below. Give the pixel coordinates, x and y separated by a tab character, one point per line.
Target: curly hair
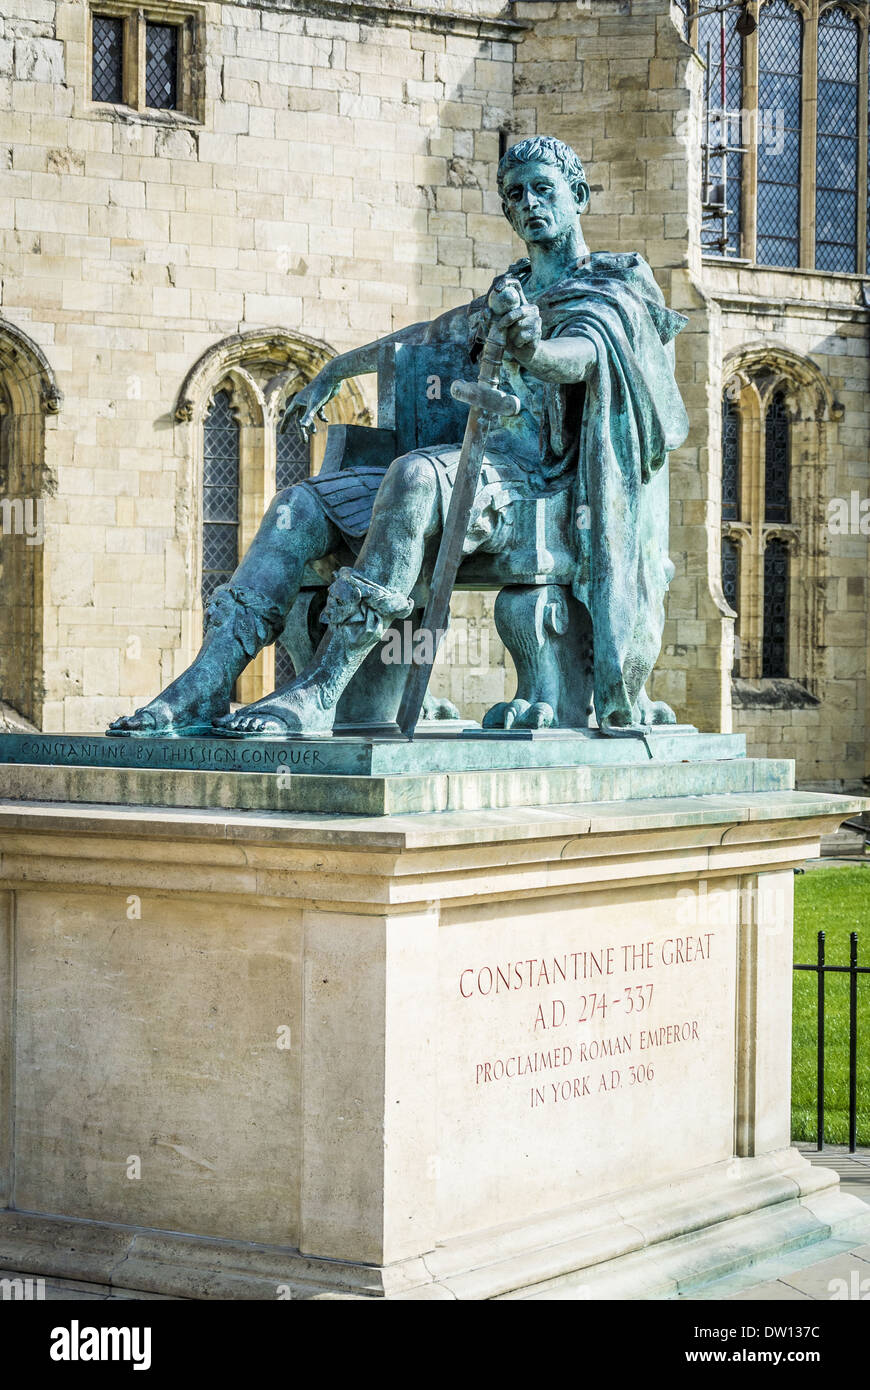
545	149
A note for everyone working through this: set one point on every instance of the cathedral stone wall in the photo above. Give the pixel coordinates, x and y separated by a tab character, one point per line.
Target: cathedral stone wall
338	183
331	178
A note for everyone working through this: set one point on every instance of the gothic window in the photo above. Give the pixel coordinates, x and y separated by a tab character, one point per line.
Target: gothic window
774	652
780	43
730	461
220	494
719	42
776	460
774	413
107	37
837	143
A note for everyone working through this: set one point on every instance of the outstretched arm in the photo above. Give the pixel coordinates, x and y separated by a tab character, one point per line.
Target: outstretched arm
308	404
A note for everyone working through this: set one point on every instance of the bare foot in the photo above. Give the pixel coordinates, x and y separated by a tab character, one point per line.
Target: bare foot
182	708
294	710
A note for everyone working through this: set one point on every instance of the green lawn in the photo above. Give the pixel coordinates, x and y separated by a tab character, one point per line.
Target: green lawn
836	901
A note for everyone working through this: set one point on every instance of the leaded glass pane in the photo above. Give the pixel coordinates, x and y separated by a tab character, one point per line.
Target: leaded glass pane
777	431
730	571
730	460
684	6
780	41
774	646
284	669
720	231
730	582
107	59
837	143
292	456
161	66
220	495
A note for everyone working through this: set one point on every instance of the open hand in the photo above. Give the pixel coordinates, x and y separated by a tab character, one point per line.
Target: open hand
307	405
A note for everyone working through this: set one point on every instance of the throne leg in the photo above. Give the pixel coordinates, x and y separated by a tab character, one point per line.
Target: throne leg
549	635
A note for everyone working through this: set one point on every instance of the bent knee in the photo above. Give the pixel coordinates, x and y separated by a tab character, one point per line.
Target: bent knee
292	505
412	473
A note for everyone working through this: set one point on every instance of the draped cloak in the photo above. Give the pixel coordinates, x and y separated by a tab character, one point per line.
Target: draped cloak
608	439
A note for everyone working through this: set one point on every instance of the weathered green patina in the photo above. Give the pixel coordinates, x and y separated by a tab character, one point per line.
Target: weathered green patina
571	501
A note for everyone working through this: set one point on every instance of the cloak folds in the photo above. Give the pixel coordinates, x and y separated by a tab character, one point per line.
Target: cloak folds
632	416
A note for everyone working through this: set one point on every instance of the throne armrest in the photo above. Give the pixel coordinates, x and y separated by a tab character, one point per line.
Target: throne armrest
349	445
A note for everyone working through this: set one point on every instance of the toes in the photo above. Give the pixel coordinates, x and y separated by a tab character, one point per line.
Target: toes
494	718
515	713
133	723
537	716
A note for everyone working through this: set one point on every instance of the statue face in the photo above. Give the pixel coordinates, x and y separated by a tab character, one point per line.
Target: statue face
540	202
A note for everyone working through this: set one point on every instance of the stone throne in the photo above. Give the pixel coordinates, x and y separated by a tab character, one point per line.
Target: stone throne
546	630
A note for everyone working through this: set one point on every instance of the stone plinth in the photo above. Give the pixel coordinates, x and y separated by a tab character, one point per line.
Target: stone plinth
515	1053
456	770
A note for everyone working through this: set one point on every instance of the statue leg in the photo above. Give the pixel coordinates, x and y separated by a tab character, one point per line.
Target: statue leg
361	605
243	616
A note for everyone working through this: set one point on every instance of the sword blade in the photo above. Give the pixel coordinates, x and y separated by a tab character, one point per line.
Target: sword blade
446	567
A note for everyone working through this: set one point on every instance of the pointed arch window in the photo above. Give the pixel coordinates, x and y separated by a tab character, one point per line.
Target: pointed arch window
769	423
220	494
837	143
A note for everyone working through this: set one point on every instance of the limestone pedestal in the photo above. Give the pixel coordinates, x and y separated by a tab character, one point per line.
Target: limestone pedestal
528	1052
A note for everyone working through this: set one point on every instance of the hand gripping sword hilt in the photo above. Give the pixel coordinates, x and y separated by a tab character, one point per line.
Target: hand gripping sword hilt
483	394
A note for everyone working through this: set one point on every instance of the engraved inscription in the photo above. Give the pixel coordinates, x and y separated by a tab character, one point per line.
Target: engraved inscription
599	1009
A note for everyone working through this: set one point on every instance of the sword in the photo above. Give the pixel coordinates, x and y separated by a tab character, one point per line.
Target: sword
487	403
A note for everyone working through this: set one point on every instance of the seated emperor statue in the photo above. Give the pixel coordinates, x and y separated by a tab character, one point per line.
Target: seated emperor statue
590	356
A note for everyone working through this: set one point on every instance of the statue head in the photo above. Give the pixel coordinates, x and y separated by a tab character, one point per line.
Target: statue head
543	188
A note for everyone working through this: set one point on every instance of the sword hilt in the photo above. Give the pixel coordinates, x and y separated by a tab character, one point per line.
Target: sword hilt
507	295
487	398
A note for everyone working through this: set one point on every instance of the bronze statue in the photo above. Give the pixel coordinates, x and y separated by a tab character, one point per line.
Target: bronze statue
581	466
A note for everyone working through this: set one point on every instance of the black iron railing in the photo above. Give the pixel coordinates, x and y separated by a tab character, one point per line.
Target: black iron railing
853	970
